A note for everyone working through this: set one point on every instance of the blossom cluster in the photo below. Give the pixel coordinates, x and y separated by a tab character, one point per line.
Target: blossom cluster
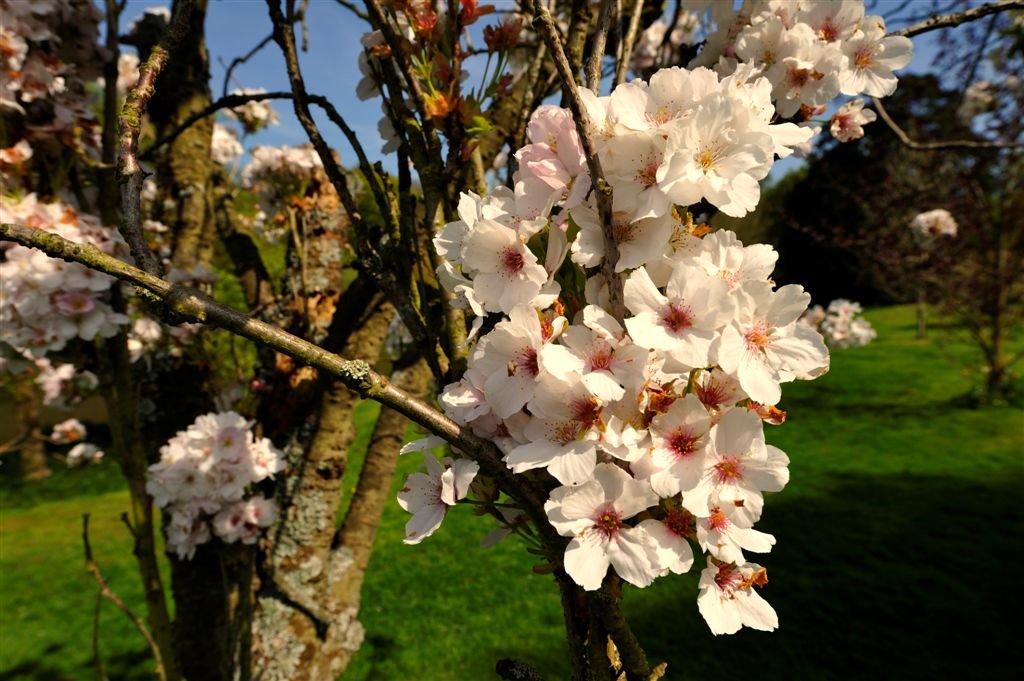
255	115
657	45
73	432
225	147
48	51
369	86
64	385
810	50
205	479
278	174
650	425
934	223
47	302
840	324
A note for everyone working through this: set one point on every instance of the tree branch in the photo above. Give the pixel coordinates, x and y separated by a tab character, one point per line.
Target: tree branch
604	24
355	10
949	144
629	41
131	174
225	102
238	61
545	25
186	304
957	18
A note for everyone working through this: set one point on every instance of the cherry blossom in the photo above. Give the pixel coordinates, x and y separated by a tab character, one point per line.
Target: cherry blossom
727	599
428	495
593	514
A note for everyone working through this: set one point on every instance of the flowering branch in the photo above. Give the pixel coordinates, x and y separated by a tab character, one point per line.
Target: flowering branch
545	25
131	174
957	18
950	144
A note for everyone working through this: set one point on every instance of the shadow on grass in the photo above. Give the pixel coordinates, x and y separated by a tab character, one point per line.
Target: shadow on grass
882	578
127	666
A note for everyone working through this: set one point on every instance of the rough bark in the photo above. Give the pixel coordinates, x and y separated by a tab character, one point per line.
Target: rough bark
298	629
184	172
354	541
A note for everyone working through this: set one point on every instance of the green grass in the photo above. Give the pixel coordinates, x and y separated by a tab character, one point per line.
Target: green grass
898	542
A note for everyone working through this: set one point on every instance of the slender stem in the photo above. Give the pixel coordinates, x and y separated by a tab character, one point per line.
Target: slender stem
950	144
629	41
129	170
108	593
604	25
545	25
957	18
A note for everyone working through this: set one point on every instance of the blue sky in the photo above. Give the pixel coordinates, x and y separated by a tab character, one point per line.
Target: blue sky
330	67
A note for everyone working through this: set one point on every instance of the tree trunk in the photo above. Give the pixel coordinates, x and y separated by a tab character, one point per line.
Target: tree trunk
26	416
298	628
354	541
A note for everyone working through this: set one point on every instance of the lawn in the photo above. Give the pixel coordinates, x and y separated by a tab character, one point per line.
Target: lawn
898	539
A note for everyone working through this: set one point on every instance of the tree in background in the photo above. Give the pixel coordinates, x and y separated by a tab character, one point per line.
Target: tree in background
952	149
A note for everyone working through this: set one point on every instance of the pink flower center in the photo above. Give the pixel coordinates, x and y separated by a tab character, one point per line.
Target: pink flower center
677	317
712	394
623	229
512	261
602	359
726	579
728	469
865	58
526	361
829	31
608	522
759	336
565	432
585	411
648	175
679	522
682	443
717	519
75	302
660	117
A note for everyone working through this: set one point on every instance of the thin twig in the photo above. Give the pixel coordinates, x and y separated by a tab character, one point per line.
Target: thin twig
609	13
948	144
97	655
957	18
384	278
225	102
355	10
629	41
108	593
238	61
130	172
545	25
